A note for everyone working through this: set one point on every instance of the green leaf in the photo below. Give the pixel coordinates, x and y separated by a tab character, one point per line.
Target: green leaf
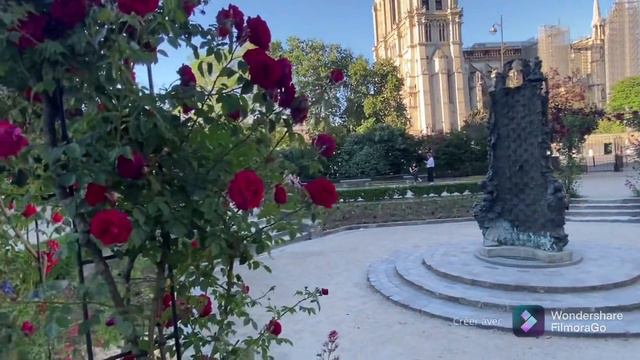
67	180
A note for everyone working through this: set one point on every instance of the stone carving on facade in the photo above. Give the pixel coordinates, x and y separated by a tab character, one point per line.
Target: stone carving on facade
523	205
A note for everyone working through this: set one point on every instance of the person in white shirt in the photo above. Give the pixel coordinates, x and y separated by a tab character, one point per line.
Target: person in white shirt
431	164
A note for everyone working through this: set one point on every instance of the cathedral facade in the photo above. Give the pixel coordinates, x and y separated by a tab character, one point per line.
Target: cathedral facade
444	82
424	39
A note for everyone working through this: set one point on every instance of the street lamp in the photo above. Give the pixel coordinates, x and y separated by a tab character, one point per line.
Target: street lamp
493	30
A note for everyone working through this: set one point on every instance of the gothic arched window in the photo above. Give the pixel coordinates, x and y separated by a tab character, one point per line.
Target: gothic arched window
438	4
425	4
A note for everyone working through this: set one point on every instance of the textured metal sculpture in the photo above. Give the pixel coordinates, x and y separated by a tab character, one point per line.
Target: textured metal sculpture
523	205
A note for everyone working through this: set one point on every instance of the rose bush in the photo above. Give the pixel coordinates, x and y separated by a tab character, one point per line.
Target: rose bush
103	168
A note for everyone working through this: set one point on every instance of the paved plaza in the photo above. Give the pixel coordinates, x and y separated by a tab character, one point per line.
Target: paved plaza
372	327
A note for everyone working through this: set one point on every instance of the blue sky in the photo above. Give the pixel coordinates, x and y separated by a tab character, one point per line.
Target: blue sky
349	22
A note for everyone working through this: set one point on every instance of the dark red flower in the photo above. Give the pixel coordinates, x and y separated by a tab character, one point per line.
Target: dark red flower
186	109
286	72
189	5
110	322
195	244
324	291
246	190
228	19
322	192
337	76
274	327
32	96
166	301
111	227
11	206
101	107
68	13
280	195
133	168
57	218
96	194
11	140
31	31
263	69
187	77
300	109
207	309
138	7
325	144
29	211
245	289
51	255
287	95
235	115
28	329
259	33
129	357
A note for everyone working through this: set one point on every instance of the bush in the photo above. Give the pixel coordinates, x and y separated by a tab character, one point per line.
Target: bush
397	192
381	150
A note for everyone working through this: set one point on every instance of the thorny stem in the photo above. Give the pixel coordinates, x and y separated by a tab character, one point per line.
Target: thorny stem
224	314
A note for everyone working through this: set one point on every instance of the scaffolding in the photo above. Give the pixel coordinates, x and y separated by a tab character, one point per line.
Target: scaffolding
554	49
622	42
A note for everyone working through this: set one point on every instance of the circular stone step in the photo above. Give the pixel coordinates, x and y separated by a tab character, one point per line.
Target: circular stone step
384	278
602	267
409	267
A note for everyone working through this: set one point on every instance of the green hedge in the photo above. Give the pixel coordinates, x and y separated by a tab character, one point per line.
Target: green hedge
396	192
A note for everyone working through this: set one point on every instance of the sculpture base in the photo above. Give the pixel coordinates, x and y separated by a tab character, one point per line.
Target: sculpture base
526	257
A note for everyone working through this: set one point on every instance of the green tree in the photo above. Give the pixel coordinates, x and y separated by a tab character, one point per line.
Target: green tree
625	96
385	103
313	61
607	126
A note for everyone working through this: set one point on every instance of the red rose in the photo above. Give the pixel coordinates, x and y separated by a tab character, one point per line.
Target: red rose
133	168
57	218
51	255
189	5
110	322
11	140
300	109
96	194
138	7
228	19
187	77
235	115
31	31
287	95
68	13
322	192
325	144
337	76
28	329
286	73
11	206
129	357
111	227
32	96
166	301
259	33
207	309
324	291
245	289
29	211
264	70
186	109
274	327
246	190
280	195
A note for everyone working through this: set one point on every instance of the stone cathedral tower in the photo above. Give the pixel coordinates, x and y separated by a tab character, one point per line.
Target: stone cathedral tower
424	38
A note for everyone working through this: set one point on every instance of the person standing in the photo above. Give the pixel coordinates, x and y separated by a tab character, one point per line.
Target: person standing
431	164
414	171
